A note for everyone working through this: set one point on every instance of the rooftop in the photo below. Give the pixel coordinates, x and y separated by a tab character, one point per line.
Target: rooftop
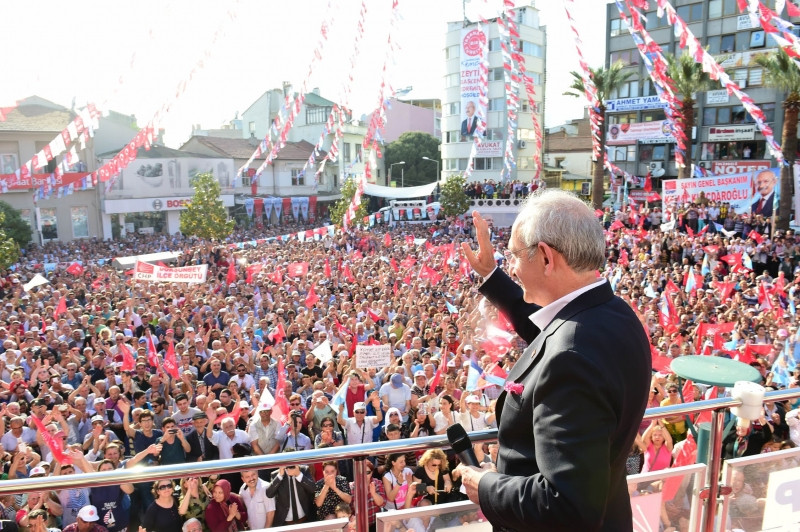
36	114
243	148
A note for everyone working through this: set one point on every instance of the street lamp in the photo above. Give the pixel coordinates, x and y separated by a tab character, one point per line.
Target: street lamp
402	173
437	174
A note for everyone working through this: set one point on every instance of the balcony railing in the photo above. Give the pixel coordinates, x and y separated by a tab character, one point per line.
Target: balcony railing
358	453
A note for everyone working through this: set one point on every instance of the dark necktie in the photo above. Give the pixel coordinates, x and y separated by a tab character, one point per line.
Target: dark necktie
202	438
292	499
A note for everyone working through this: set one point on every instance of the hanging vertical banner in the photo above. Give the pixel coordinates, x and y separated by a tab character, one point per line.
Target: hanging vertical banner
277	205
258	206
312	209
472	43
296	208
287	209
248	207
796	187
303	207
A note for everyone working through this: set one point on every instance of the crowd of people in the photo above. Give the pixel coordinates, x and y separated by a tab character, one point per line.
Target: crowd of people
243	340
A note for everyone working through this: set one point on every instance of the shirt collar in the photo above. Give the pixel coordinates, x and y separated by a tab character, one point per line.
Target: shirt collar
542	317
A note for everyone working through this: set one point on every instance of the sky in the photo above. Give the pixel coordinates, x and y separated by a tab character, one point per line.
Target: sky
132	57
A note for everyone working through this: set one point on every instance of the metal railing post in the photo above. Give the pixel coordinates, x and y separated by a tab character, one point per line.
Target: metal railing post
713	469
361	481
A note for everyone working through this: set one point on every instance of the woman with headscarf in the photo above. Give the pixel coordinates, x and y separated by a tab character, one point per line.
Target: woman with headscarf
226	511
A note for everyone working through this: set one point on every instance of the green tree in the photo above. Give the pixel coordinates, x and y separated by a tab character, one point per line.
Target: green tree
689	79
9	250
781	73
340	207
410	148
205	216
14	226
607	81
453	198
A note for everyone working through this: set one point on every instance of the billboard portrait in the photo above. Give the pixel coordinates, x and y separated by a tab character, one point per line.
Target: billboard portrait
473	43
167	177
766	192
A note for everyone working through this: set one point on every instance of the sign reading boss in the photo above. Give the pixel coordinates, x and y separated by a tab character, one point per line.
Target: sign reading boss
177	203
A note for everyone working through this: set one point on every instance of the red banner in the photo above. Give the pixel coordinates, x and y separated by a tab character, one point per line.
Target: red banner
312	208
40	180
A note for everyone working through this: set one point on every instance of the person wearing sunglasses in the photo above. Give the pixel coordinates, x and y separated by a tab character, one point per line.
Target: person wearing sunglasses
162	515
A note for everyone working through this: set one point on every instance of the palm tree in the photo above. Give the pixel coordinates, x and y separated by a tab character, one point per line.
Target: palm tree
607	81
781	73
689	78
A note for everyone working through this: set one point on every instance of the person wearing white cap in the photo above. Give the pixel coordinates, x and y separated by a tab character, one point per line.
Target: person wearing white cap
396	394
87	521
359	427
473	419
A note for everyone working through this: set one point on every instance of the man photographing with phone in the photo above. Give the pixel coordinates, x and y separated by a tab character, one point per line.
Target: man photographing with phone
575	398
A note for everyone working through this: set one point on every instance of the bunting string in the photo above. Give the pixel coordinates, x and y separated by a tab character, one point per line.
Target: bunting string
656	65
509	36
291	107
774	24
109	172
716	72
589	88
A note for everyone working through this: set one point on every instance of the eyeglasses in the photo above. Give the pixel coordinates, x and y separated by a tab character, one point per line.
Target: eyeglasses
508	254
359	411
165	487
673	391
294	404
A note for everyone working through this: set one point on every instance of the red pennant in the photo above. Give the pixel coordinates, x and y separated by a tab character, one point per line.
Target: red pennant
387	240
348	275
438	375
373	316
393	264
755	236
328	268
688	391
252	270
234	414
278	334
429	273
792	10
686	456
231	277
276	277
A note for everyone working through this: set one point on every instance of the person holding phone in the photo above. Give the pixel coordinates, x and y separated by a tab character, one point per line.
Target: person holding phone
174	447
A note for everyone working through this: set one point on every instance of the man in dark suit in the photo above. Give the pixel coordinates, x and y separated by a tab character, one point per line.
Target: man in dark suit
293	489
470	123
580	388
765	185
202	450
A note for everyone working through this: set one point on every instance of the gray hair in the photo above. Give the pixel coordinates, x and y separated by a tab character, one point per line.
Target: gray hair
190	522
565	223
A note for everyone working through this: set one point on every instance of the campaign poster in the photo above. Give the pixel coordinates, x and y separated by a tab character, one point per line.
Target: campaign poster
756	192
473	42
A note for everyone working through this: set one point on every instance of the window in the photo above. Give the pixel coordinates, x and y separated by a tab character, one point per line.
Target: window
452	136
627	57
9	163
623	153
452	108
524	107
317	115
526	134
622	118
653	21
742	41
728	8
451	52
483	163
378	173
535	77
497	104
494	134
714	9
49	224
346	151
252	127
523	163
298	179
650	116
727	43
749	149
659	151
451	80
648	89
626	90
691	13
496	74
735	115
494	44
80	222
529	48
616	27
757	39
358	152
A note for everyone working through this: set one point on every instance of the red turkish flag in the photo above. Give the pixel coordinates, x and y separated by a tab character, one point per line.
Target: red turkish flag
152	354
75	269
438	375
348	275
393	264
56	446
429	273
281	408
688	391
648	183
373	316
61	308
328	268
387	240
276	277
278	334
755	236
311	298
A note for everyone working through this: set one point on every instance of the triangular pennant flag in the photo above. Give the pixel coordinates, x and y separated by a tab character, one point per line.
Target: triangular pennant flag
62	306
128	362
171	362
311	298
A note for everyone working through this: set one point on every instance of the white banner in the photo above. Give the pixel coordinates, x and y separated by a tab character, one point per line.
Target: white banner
797	190
473	40
489	148
373	356
655	132
734	132
164	274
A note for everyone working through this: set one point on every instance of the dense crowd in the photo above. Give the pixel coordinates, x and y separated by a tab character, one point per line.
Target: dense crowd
245	340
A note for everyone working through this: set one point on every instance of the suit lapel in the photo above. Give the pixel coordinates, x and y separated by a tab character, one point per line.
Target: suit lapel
531	355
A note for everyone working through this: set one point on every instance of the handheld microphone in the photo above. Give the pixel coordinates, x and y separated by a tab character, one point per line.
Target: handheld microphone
462	445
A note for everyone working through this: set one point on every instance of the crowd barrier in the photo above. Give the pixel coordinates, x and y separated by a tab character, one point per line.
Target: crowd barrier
703	511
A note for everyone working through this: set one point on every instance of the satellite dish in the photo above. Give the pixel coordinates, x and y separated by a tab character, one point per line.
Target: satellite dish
658	172
562	164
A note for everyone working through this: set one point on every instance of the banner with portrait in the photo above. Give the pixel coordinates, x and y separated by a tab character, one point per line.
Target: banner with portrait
473	40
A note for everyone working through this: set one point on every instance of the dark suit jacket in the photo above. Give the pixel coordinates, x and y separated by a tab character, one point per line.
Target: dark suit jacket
469	125
193	438
279	490
766	212
565	438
